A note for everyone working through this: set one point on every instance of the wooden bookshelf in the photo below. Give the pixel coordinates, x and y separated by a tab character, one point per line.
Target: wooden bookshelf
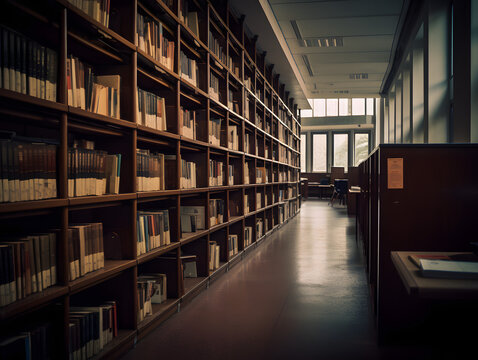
247	85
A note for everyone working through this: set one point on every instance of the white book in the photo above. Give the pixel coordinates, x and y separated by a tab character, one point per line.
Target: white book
449	269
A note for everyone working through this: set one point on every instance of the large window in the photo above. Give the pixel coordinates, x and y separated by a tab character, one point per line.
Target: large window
319	157
341	150
358	106
339	107
344	107
361	147
332	107
303	147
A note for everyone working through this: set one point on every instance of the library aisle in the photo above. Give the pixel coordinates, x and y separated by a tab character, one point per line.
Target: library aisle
301	294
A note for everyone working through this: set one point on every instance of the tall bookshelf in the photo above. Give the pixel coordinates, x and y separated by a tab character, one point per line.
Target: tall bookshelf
258	144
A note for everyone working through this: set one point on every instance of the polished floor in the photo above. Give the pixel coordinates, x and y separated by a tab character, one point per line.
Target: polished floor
302	294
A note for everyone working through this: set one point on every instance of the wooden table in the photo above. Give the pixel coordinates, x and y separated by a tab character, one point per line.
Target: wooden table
431	288
320	187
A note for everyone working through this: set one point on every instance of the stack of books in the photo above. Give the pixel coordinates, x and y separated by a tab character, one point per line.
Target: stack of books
85	249
150	37
27	67
28	170
151	289
216	212
150	171
29	266
153	230
215	131
233	245
188	69
216	170
188	174
247	236
92	172
151	111
95	93
189	123
91	328
214	255
99	10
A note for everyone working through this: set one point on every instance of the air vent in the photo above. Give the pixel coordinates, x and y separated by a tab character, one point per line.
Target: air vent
307	65
358	76
326	42
341	92
295	27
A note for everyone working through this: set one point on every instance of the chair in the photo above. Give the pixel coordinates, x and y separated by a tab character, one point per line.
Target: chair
340	191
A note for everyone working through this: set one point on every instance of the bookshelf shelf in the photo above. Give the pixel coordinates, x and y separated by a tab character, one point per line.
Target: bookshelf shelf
162	111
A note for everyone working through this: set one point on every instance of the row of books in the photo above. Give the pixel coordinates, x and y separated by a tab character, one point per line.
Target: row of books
233	245
34	342
27	171
151	38
283	212
96	93
150	170
216	211
192	218
189	69
233	138
97	9
214	87
232	104
216	171
258	200
85	249
247	104
246	204
91	328
153	230
247	236
92	172
230	173
189	17
188	120
26	66
151	111
259	228
234	67
246	172
151	289
216	47
28	266
262	175
188	175
215	131
214	255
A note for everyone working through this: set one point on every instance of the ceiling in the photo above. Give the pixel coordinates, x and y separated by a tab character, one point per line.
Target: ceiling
364	31
367	31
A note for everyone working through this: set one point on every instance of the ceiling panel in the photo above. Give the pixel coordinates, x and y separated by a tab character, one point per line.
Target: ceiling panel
370	25
316	10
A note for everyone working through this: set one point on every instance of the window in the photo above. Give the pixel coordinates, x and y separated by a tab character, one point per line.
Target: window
319	158
361	148
306	113
344	107
319	107
369	106
341	150
303	147
332	107
358	106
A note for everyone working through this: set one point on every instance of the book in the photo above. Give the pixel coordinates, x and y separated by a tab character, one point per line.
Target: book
32	342
216	171
85	249
233	244
188	121
233	138
188	178
99	10
449	269
151	110
247	236
192	218
188	69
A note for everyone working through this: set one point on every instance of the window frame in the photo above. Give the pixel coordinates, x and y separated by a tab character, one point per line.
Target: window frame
312	133
348	133
369	133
